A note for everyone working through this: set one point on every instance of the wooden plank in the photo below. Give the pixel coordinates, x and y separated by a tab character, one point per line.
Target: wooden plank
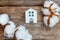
23	2
20	2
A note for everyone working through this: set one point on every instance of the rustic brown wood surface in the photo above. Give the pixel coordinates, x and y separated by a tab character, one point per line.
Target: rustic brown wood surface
16	8
38	30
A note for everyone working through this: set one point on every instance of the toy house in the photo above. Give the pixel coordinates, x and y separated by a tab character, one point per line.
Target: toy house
31	16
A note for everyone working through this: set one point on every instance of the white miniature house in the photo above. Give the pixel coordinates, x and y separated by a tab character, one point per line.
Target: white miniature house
31	16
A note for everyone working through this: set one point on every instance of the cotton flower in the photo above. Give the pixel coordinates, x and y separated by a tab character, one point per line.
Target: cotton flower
53	21
10	29
4	19
51	12
22	33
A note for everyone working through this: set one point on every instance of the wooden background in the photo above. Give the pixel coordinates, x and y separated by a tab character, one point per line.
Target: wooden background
16	8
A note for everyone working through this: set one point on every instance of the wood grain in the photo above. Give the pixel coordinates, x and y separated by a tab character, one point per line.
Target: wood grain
20	2
23	2
16	11
39	31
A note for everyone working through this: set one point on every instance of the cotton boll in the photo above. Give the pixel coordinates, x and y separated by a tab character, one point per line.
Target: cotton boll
22	33
4	19
45	11
10	29
51	10
57	10
47	3
54	6
45	18
53	21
